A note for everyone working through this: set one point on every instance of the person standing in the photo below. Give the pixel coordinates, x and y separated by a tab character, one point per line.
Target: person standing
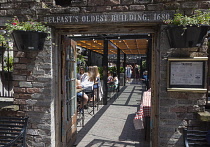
128	72
136	72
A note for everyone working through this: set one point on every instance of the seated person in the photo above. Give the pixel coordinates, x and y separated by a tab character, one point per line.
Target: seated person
90	78
110	77
80	75
145	77
116	81
79	95
88	81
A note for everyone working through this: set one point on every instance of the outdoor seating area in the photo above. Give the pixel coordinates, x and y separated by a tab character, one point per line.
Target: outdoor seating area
13	131
109	118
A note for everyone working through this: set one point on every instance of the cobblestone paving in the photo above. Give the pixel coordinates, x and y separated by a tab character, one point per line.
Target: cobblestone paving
112	125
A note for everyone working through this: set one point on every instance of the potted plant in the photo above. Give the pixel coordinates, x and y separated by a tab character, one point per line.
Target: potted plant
187	31
28	35
81	60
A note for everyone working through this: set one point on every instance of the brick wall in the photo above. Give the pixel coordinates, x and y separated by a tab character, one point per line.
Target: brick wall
30	7
32	70
177	109
32	92
32	88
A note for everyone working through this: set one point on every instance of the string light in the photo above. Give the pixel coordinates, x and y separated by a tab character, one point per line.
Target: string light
119	39
94	40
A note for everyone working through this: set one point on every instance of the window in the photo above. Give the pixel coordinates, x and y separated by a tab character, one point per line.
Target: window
70	81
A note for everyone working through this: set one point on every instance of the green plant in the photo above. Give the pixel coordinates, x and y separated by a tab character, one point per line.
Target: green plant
29	25
100	70
81	60
122	70
8	66
144	65
199	18
112	69
2	40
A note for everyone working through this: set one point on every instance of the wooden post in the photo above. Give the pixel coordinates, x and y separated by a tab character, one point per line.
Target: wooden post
118	66
105	70
155	93
124	64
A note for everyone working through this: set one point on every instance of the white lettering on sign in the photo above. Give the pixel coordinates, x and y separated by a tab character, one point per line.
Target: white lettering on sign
110	17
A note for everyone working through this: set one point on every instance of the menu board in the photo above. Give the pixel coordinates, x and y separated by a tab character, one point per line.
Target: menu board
186	74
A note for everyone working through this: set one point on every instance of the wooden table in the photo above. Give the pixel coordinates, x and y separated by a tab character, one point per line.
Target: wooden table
80	90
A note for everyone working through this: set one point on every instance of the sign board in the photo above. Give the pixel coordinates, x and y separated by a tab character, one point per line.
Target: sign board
186	74
143	16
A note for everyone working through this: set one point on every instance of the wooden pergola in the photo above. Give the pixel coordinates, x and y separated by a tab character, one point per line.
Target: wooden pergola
127	43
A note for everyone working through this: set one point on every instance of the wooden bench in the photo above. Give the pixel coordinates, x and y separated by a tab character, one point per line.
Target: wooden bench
13	131
195	138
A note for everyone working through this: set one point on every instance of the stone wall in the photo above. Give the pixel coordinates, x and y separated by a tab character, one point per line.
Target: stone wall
30	7
32	92
177	109
33	77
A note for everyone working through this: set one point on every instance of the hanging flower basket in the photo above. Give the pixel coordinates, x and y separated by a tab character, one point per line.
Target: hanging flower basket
186	37
29	40
28	35
188	31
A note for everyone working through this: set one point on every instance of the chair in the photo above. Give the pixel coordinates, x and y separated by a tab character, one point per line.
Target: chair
81	112
195	138
111	88
91	101
13	131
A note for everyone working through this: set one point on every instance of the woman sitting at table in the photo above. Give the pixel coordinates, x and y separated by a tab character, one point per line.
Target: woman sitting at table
90	79
81	73
81	95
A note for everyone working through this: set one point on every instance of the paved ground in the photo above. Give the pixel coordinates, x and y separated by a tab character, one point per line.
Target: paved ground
112	125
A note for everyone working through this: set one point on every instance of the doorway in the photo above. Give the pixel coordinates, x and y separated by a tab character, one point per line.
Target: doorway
98	43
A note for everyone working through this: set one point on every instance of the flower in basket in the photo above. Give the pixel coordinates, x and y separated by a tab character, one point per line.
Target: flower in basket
29	25
28	35
199	18
188	31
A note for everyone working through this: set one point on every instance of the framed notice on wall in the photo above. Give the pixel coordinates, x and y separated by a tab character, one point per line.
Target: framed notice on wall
187	74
